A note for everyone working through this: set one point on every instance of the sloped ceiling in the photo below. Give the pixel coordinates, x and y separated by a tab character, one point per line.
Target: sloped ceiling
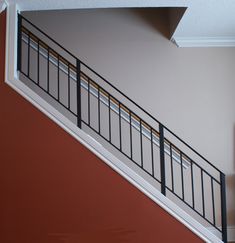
204	23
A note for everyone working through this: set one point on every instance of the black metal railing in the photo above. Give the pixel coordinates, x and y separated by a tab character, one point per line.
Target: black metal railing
180	172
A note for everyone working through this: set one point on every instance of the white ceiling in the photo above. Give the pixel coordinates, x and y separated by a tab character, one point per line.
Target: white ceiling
205	22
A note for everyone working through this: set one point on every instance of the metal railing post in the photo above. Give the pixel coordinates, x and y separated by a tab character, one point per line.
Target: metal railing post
223	208
79	121
162	159
19	50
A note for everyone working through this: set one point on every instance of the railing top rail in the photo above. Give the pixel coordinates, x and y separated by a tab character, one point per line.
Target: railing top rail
120	92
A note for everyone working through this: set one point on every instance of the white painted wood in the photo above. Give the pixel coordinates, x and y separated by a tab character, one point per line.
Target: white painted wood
11	43
27	5
117	165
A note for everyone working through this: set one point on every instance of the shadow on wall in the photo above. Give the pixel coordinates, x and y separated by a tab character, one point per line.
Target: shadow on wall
162	20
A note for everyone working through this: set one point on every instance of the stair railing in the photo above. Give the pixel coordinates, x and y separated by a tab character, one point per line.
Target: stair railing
170	162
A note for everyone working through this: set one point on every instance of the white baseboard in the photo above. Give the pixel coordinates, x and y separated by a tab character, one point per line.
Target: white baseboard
204	42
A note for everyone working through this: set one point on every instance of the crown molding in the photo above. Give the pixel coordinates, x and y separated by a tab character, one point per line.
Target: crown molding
204	41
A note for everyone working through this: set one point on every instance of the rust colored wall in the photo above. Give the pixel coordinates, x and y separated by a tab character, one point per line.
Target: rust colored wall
54	190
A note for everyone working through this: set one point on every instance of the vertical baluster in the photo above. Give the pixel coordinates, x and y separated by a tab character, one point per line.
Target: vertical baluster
48	73
192	185
141	145
131	145
120	125
109	118
182	175
58	78
223	207
172	169
68	86
162	159
38	61
89	102
213	200
28	55
78	69
19	43
152	157
203	199
98	109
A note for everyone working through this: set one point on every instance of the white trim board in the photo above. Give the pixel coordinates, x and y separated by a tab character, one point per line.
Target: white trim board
117	165
204	41
86	4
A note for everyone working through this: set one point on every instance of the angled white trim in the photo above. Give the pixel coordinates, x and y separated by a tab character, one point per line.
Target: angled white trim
204	41
116	164
86	4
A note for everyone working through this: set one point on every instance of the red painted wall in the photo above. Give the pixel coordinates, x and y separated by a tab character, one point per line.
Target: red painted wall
54	190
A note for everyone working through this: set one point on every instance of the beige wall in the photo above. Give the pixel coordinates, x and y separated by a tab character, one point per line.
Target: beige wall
190	90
